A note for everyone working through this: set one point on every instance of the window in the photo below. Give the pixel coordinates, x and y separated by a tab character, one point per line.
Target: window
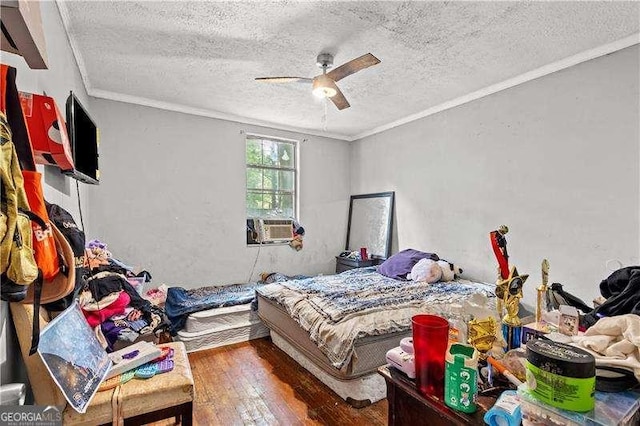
271	177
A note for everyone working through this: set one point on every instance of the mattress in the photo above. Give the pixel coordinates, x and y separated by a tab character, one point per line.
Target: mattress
220	327
369	351
218	318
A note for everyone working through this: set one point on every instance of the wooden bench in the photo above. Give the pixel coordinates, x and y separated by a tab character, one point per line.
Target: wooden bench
137	402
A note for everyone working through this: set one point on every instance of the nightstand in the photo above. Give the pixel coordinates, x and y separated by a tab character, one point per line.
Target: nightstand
345	263
408	407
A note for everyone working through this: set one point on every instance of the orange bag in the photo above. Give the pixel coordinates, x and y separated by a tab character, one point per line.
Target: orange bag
44	245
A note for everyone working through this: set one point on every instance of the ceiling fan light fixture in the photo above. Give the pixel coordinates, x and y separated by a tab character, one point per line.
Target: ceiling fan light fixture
324	92
322	87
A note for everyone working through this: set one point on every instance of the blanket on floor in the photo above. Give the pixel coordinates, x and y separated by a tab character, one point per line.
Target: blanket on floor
182	302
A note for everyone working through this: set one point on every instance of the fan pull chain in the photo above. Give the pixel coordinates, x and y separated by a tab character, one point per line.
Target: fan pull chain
324	115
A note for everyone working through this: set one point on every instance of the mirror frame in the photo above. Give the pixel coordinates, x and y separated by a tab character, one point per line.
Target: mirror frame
391	196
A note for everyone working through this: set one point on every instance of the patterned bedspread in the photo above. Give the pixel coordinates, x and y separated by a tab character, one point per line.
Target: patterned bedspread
338	309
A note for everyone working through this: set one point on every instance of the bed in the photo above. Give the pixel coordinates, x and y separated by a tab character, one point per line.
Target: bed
213	316
339	327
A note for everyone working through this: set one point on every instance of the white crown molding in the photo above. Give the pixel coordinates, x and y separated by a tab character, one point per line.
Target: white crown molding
169	106
506	84
66	23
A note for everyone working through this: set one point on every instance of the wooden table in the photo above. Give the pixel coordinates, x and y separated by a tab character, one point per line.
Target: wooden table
408	407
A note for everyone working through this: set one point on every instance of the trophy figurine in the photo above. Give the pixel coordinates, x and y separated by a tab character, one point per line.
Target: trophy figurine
542	289
482	335
511	323
508	290
499	245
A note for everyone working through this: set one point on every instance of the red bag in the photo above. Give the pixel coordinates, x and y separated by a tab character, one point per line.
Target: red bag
44	245
47	131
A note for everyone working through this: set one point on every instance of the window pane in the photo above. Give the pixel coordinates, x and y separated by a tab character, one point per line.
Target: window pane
268	200
254	151
285	205
274	204
254	200
269	153
254	178
269	179
286	180
286	155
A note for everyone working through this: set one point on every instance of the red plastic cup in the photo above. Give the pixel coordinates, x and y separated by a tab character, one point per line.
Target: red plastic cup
363	253
430	340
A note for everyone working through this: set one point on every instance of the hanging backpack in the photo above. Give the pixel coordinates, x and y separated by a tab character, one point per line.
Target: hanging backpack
18	265
63	220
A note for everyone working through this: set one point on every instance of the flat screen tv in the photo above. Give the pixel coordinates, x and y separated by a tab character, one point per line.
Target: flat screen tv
84	138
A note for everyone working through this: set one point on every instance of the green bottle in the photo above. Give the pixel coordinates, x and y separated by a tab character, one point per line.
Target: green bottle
461	378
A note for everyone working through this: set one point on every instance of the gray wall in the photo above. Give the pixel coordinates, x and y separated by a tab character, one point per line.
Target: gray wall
556	159
61	77
172	197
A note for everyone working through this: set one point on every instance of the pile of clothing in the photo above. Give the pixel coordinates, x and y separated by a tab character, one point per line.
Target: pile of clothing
112	305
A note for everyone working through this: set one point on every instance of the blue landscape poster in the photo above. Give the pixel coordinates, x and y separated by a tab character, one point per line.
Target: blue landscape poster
74	357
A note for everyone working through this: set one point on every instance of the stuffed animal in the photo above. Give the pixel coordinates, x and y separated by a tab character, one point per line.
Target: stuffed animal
430	271
449	270
425	270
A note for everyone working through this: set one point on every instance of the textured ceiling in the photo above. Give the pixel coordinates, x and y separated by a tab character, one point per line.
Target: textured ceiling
203	56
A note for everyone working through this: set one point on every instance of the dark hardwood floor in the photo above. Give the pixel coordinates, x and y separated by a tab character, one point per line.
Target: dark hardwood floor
255	383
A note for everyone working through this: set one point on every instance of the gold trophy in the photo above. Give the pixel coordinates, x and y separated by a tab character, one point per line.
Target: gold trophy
542	290
482	335
508	289
512	296
511	323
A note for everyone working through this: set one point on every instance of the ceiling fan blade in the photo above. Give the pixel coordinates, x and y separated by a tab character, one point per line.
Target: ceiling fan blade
284	79
338	99
354	65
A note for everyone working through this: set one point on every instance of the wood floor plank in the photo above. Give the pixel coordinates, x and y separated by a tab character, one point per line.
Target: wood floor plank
255	383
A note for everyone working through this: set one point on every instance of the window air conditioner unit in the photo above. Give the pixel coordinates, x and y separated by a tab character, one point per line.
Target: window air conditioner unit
272	230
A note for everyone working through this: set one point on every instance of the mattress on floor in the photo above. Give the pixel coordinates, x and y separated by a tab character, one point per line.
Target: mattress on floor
229	316
217	327
369	352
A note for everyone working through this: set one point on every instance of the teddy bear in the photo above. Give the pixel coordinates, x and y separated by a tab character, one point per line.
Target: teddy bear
432	271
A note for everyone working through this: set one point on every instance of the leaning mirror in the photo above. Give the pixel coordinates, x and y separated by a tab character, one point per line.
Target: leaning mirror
369	226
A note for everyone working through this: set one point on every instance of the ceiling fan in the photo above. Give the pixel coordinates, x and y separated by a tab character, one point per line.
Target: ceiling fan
324	85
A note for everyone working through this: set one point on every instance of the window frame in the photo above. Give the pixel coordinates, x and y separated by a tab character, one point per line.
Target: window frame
295	193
